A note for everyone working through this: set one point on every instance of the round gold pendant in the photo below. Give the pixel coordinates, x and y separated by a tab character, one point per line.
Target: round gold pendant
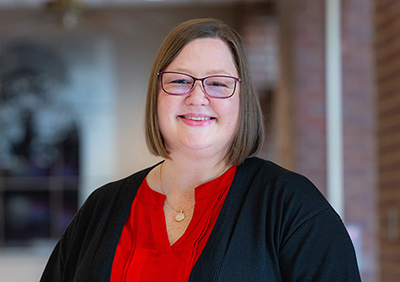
180	216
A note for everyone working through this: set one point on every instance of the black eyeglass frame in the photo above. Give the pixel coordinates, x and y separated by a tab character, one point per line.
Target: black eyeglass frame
160	74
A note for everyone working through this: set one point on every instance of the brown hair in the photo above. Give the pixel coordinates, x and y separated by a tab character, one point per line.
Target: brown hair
249	134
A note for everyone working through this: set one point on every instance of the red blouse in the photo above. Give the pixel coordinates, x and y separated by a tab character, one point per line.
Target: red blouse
144	252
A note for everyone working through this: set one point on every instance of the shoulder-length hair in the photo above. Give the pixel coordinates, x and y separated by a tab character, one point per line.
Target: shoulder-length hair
249	134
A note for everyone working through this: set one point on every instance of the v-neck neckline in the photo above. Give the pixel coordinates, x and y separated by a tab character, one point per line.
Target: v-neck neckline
203	195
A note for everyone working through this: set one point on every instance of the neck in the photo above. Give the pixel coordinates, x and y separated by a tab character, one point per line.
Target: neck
183	176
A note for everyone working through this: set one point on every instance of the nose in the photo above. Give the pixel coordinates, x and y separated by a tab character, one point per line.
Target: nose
197	96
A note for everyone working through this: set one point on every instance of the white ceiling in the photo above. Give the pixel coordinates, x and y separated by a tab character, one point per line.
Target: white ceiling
99	3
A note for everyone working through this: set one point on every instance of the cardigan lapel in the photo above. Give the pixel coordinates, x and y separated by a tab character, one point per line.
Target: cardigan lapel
114	224
209	264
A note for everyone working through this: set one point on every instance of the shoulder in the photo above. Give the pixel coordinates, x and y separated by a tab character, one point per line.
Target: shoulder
94	228
269	169
267	174
118	188
112	199
289	195
116	195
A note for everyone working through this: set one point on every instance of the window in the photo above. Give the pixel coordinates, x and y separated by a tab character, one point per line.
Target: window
39	146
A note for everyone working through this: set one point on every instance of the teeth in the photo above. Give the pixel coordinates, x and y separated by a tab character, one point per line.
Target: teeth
196	118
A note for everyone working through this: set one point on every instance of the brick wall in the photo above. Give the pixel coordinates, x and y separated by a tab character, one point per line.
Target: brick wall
309	90
358	114
388	104
259	30
302	36
359	142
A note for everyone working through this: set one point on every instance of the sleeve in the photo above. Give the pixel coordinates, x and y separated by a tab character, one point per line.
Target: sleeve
319	249
55	269
63	261
85	250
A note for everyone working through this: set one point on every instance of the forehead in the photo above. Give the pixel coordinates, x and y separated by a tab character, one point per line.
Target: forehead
204	56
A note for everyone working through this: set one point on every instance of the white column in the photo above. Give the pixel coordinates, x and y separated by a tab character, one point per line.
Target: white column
334	105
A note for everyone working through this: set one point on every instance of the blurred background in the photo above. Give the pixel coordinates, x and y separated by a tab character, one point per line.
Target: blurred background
73	78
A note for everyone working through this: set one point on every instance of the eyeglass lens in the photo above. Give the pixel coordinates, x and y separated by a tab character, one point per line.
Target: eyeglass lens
215	86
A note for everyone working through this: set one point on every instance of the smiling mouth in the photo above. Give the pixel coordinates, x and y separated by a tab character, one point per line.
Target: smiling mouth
197	118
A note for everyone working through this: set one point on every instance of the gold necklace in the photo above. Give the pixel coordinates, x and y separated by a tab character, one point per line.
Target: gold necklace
180	213
180	216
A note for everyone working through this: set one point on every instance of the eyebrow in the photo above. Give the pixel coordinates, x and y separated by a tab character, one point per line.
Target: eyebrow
212	72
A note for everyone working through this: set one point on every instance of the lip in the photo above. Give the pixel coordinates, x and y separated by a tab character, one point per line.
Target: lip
193	119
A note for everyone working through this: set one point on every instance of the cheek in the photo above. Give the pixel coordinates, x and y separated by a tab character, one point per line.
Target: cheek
236	107
161	113
237	115
235	121
162	105
165	112
166	106
231	114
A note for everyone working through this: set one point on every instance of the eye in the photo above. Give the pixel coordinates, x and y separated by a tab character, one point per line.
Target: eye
181	81
177	79
217	82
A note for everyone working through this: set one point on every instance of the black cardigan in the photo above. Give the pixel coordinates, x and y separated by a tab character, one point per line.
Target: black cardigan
274	226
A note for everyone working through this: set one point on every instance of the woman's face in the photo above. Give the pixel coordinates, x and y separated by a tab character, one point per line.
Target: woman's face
196	123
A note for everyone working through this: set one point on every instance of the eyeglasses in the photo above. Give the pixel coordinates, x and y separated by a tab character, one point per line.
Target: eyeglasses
215	86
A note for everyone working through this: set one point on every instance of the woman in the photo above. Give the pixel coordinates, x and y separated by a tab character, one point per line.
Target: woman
209	211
